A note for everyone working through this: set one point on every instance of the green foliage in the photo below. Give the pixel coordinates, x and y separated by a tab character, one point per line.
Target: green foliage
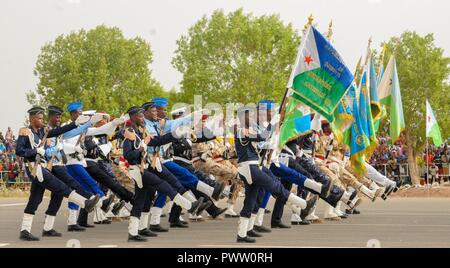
236	57
100	67
423	73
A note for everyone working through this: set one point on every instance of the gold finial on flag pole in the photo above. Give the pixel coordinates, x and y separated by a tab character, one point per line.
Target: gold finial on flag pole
330	30
310	21
368	50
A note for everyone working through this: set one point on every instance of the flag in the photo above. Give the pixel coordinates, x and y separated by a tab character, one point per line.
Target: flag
296	122
433	130
373	84
365	112
343	117
319	78
396	109
385	86
359	142
390	96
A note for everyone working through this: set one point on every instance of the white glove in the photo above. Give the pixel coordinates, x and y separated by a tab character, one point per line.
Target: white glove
78	149
82	119
181	132
119	121
143	145
40	151
275	119
96	118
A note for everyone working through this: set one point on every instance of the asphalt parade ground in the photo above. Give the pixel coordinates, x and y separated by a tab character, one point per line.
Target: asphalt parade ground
397	222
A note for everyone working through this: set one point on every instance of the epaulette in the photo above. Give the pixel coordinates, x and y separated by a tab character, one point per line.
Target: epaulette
130	134
24	131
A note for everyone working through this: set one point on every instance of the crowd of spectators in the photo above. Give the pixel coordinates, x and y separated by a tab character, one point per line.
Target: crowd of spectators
11	167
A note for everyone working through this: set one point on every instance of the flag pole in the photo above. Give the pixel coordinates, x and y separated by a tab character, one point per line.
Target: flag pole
426	159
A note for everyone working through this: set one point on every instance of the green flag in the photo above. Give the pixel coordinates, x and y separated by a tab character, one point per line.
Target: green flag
320	78
390	96
296	122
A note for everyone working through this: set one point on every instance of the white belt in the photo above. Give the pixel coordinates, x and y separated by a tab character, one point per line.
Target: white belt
244	170
184	160
286	155
247	163
92	160
195	159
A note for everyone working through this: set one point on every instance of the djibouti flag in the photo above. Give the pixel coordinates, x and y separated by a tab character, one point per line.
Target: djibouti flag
296	122
319	78
433	130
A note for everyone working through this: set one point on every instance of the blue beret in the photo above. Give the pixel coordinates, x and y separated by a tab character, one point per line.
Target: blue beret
74	106
160	102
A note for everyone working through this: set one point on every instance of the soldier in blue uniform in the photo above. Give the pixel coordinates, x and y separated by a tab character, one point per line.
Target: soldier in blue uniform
30	146
55	157
96	151
135	150
157	124
254	178
73	147
182	155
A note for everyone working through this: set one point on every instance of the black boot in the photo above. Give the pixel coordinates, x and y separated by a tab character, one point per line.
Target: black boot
304	222
310	204
117	207
204	206
75	228
146	232
387	192
279	225
136	238
89	204
83	220
326	188
158	228
335	195
107	221
261	229
245	239
218	212
27	236
107	203
178	224
252	233
218	189
195	206
51	233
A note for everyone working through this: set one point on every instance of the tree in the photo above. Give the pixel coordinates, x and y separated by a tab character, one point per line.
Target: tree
100	67
423	73
236	57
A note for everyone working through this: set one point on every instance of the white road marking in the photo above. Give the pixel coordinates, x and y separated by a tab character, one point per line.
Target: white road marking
388	225
259	246
107	246
4	244
13	204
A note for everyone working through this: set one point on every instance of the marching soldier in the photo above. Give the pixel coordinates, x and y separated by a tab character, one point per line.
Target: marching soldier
134	151
30	146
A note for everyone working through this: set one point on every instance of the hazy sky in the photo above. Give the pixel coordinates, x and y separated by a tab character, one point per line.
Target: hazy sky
25	25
